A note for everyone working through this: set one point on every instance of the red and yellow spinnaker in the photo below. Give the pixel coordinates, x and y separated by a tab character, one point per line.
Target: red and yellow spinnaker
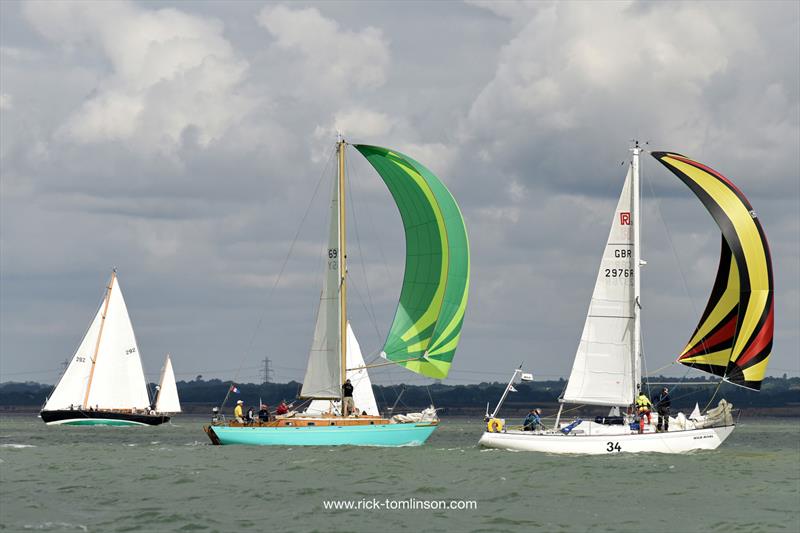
734	336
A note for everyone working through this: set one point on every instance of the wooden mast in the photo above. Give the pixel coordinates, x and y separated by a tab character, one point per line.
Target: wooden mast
99	336
342	270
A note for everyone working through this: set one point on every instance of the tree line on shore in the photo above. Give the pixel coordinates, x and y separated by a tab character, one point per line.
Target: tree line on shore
775	392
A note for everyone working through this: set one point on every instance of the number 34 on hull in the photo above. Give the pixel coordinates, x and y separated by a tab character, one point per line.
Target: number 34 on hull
672	442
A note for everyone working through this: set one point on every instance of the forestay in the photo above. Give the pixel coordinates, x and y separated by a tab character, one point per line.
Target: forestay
323	373
71	388
602	373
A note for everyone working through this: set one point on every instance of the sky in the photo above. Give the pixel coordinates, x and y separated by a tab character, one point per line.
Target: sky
189	146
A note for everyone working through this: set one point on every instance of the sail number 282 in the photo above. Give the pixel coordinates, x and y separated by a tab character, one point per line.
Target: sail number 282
613	447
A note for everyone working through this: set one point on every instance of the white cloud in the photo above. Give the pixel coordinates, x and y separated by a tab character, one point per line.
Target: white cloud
333	58
359	123
169	71
365	125
659	70
438	157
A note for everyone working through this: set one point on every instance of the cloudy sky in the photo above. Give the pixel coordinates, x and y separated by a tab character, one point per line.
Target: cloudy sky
189	144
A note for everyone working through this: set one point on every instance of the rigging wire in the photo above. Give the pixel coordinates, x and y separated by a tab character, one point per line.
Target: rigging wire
716	390
391	370
674	250
280	274
371	222
371	309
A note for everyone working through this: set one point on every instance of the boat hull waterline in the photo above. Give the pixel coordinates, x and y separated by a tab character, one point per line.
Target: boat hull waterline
76	417
391	435
669	442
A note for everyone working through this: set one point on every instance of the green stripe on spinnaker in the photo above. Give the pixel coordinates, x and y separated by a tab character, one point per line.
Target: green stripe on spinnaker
433	300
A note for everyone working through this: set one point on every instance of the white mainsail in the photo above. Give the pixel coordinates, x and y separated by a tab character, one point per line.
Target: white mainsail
167	400
323	373
603	371
118	379
363	397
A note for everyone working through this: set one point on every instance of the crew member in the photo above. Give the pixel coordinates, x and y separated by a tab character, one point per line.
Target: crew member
533	421
282	408
663	404
237	412
347	397
643	405
263	413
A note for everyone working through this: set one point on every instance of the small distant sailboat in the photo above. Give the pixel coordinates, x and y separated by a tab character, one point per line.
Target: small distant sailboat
167	400
733	339
423	336
104	383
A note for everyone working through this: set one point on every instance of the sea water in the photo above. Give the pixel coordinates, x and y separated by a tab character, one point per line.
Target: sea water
169	478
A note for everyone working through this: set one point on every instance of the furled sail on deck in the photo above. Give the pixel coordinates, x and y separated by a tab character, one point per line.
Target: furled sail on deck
323	373
363	396
734	336
427	324
167	400
602	373
118	379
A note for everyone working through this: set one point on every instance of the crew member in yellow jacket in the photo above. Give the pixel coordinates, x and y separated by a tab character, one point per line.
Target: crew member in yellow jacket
237	411
643	406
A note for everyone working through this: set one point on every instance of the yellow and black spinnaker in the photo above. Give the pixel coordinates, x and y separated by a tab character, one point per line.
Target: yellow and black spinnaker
734	336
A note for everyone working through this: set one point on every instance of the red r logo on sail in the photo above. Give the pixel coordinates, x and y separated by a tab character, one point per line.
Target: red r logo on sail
625	218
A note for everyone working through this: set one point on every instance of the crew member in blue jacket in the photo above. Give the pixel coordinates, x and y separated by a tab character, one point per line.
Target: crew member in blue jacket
533	420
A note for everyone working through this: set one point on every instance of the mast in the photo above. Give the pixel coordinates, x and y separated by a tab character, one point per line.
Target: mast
637	263
99	336
342	269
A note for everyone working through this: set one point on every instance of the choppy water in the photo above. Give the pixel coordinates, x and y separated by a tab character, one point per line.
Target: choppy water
168	479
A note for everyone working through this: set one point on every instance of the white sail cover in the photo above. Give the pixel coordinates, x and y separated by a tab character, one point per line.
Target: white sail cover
602	373
363	397
323	373
118	381
167	400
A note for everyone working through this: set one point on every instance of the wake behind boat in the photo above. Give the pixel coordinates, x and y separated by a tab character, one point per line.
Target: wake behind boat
423	336
104	383
733	339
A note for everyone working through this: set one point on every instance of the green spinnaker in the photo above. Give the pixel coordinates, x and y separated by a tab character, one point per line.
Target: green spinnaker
427	324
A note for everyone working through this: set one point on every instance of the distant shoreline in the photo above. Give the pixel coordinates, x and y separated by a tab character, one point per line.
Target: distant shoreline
447	412
779	397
